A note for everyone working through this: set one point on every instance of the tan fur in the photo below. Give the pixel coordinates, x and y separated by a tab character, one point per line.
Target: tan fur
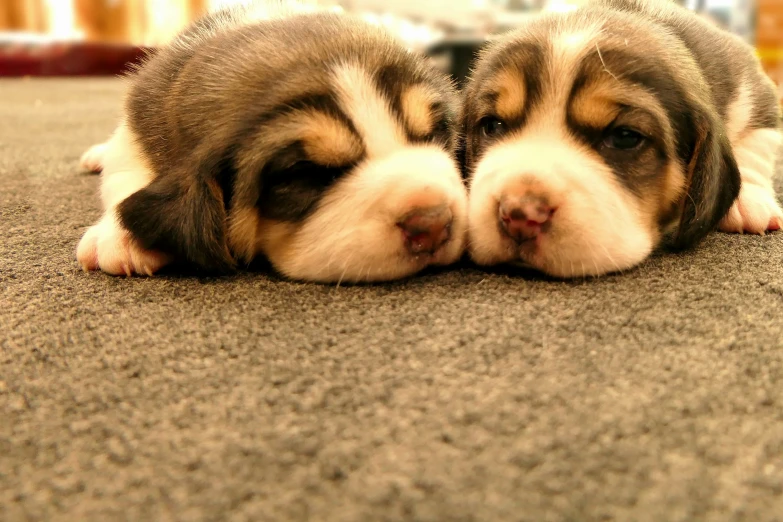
594	109
326	140
244	227
510	85
416	102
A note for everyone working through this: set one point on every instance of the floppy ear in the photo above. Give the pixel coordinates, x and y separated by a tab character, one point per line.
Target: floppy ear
187	220
712	182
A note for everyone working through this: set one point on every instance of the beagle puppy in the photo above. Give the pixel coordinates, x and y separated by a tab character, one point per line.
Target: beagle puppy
309	138
595	136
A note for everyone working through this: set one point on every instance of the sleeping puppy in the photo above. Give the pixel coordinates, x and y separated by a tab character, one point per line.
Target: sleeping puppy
312	139
594	136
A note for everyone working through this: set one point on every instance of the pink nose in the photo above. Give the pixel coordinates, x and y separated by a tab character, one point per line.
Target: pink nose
425	230
524	218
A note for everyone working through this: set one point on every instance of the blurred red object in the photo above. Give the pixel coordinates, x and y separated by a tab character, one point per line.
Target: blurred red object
37	56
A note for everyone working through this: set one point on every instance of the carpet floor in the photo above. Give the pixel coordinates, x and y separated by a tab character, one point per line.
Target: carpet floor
458	395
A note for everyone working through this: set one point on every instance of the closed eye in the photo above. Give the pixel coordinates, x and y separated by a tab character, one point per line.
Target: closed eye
291	185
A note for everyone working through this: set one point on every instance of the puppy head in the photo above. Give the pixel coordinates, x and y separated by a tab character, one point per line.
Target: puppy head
345	170
589	139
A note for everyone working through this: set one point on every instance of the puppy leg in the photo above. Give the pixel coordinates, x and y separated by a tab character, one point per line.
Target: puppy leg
756	210
107	245
92	159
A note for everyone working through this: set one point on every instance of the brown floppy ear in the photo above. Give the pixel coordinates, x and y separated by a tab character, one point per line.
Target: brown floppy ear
712	181
188	222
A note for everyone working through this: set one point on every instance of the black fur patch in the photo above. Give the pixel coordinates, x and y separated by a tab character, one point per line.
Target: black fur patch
189	224
292	185
391	81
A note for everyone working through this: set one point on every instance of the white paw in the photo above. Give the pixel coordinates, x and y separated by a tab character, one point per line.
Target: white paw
108	247
755	212
92	160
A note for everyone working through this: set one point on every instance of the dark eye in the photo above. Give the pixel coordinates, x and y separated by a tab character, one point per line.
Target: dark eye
623	138
492	127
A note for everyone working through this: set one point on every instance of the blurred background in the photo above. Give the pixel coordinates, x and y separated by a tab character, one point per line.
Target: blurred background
78	37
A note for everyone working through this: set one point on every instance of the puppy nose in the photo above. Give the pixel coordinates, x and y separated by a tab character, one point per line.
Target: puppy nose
523	218
426	229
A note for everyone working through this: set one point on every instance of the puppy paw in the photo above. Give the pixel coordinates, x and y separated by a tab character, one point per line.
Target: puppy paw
110	248
92	160
756	211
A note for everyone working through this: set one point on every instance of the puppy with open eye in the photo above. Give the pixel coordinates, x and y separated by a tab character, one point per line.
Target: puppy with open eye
310	138
594	136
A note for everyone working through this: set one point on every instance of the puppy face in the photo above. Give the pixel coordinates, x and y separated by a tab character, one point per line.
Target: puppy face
358	182
589	139
335	159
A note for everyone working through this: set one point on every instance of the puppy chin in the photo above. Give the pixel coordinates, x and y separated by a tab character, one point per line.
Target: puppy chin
355	234
594	230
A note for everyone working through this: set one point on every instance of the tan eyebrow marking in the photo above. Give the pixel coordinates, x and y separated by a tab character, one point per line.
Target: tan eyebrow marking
594	108
511	94
326	140
417	102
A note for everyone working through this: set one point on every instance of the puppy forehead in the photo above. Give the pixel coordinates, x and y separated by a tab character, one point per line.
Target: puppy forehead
520	70
394	104
552	63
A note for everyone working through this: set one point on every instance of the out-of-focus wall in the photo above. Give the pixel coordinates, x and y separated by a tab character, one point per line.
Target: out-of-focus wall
141	22
24	15
769	39
418	22
137	22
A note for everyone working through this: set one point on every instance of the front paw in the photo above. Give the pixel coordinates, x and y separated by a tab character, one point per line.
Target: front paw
754	212
110	248
92	160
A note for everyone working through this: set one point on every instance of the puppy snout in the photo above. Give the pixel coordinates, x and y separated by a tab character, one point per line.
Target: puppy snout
425	230
524	218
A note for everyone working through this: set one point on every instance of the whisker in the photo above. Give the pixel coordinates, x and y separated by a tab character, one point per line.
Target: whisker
600	56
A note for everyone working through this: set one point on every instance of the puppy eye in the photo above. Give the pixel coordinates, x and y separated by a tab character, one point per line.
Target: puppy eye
623	138
325	175
492	127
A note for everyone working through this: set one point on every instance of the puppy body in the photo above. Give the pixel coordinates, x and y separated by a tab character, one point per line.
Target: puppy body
596	135
309	138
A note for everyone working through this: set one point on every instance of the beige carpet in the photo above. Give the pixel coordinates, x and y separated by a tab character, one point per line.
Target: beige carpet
455	396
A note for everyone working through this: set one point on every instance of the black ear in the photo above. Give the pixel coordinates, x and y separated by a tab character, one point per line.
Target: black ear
188	222
712	181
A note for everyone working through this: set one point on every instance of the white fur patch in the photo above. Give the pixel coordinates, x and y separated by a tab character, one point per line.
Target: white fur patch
109	247
756	209
369	110
739	112
568	48
92	159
